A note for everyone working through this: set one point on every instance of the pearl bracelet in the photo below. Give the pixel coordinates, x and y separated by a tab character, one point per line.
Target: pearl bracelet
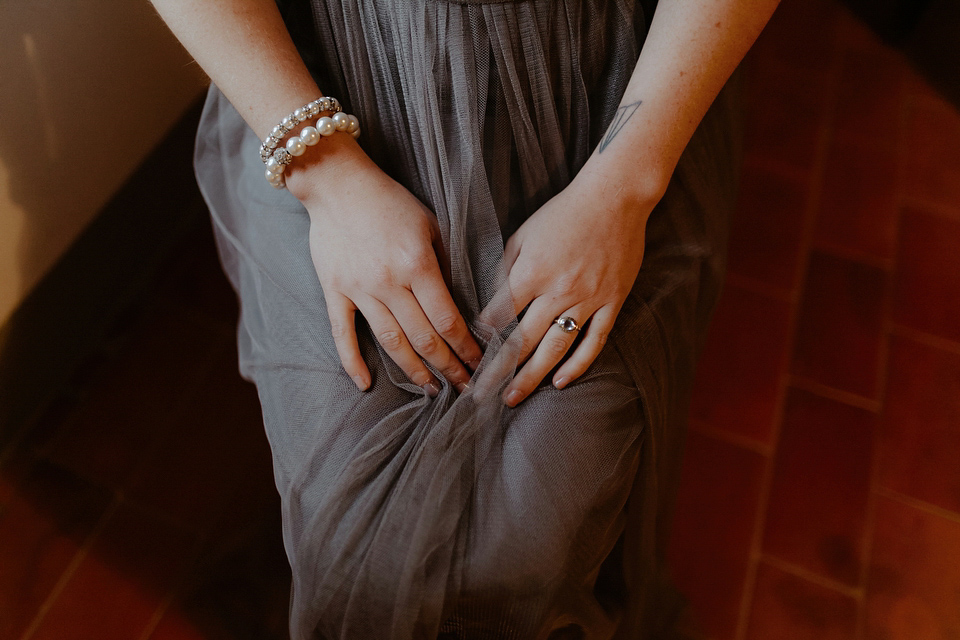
296	146
325	104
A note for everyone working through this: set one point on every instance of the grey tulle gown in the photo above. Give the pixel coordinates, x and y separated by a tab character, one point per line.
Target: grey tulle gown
410	517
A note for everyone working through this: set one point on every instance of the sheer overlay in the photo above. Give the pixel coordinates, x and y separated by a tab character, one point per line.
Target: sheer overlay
406	516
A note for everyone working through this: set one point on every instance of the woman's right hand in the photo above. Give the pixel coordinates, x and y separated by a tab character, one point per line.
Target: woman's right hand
375	248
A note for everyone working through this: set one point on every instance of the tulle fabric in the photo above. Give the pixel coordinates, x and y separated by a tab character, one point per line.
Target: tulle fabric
410	517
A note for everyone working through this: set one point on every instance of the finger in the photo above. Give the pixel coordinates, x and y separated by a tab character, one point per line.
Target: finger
595	336
342	314
388	333
551	348
522	340
436	302
425	339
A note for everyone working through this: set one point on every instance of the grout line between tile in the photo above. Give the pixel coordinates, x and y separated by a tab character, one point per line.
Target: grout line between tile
178	589
883	365
928	339
831	393
916	503
735	439
71	568
811	576
930	206
814	192
853	255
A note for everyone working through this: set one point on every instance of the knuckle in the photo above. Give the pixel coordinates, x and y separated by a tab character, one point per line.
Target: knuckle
451	372
383	274
426	343
567	282
391	339
447	324
527	343
418	264
555	345
339	330
420	377
601	336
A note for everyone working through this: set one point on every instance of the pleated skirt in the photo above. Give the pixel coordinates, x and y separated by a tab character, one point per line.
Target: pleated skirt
407	516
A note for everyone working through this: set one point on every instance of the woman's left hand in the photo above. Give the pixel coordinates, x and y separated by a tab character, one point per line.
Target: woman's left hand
577	257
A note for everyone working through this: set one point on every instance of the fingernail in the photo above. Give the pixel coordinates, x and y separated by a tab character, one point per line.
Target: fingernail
360	382
561	383
514	397
460	386
432	390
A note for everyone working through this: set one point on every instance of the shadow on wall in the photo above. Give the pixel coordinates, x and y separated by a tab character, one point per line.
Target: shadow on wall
87	89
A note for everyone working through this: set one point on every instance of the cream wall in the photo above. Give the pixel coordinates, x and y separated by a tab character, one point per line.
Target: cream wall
87	88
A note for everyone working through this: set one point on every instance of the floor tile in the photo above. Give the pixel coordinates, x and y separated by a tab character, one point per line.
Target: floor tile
713	529
197	282
927	285
128	410
933	159
859	203
767	227
739	375
239	590
871	98
913	589
821	483
174	625
801	35
42	528
784	119
921	424
840	328
207	451
119	586
786	607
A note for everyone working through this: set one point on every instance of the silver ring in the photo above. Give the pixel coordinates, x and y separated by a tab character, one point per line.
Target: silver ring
568	324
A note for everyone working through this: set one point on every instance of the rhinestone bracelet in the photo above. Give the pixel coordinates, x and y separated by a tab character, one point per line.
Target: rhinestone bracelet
325	104
278	160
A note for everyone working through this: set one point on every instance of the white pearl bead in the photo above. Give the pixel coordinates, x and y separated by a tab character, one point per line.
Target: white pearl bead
325	126
341	121
314	109
277	185
309	136
354	124
300	114
271	176
274	166
295	146
288	123
356	134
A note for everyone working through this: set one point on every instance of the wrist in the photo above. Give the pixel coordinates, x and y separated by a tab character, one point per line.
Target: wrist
332	162
626	188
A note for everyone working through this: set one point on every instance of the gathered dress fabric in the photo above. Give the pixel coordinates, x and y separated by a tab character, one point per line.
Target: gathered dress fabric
407	516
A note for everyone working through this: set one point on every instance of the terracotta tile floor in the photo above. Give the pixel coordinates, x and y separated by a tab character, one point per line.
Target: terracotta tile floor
821	489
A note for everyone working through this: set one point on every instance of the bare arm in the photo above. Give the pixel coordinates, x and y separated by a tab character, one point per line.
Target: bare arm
558	264
245	48
691	50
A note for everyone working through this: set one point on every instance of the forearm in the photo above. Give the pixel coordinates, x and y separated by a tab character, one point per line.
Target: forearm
246	50
691	50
